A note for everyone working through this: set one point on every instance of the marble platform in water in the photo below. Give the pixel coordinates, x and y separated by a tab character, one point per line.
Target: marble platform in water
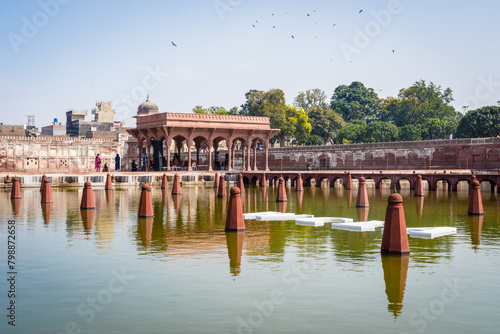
359	226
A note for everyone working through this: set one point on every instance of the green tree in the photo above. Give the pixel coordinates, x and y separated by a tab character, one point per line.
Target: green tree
410	132
210	110
298	128
314	140
417	104
377	132
436	128
480	123
311	98
325	123
355	102
351	133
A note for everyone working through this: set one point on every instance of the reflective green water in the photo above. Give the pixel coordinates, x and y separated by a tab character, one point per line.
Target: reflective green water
181	273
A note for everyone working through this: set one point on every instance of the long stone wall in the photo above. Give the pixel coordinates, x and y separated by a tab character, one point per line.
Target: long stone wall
478	153
55	153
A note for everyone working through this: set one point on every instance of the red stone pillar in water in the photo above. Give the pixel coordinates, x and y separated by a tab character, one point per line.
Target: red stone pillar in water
145	203
234	220
240	184
348	183
419	188
109	185
362	200
16	189
299	185
281	195
87	197
222	187
395	237
164	181
47	192
176	187
475	200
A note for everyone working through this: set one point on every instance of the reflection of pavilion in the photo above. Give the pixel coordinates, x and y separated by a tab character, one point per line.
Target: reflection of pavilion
395	270
200	130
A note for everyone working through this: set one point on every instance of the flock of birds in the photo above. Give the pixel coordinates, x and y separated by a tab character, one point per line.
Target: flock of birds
292	36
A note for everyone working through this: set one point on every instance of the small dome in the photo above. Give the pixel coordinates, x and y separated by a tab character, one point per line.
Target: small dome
147	108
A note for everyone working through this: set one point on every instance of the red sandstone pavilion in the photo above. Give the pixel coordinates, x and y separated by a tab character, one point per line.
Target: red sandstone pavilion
157	130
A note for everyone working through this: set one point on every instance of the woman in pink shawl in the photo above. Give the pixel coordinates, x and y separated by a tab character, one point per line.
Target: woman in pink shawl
98	163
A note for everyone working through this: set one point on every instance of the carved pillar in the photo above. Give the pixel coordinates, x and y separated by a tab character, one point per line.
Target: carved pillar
229	153
249	165
189	142
234	155
255	156
266	147
168	143
210	160
139	146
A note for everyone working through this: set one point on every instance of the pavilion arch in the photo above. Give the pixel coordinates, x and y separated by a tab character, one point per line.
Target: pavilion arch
255	180
444	180
274	181
308	179
190	127
246	180
334	180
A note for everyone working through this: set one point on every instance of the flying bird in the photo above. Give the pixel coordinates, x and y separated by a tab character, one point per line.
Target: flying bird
293	37
360	11
392	51
173	44
333	25
253	25
274	27
307	14
256	21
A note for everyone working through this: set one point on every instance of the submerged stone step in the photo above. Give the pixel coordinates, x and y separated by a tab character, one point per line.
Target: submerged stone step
368	226
430	232
320	221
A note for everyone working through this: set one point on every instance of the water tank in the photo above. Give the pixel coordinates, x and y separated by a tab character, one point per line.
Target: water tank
55	120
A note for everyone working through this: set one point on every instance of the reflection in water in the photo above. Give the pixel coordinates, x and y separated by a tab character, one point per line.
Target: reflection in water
362	214
348	194
420	206
145	230
177	202
88	220
16	206
234	242
281	207
395	270
109	196
300	196
475	226
47	212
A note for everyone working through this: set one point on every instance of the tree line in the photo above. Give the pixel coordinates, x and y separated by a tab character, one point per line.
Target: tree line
356	114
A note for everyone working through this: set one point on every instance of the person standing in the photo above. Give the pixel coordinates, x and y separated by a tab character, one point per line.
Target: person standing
117	162
97	163
143	167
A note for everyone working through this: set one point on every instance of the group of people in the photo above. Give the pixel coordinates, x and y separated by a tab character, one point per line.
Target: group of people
98	162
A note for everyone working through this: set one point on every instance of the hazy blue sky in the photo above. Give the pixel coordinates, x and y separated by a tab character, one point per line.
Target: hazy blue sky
68	54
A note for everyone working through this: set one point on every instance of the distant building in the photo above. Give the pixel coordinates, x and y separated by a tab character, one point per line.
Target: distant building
56	129
76	126
12	130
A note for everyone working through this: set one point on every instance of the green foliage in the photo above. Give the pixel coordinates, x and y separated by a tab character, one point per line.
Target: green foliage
352	133
311	98
436	128
380	132
314	140
418	103
410	132
479	123
355	102
211	110
325	123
